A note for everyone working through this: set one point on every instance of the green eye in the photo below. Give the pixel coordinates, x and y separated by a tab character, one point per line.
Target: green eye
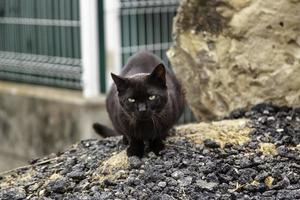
131	100
152	97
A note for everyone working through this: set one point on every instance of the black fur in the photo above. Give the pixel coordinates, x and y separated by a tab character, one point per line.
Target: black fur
103	130
135	112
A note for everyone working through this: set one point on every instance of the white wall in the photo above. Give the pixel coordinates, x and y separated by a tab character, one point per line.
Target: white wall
112	38
90	47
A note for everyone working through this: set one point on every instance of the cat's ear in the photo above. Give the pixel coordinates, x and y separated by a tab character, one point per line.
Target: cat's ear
159	75
120	82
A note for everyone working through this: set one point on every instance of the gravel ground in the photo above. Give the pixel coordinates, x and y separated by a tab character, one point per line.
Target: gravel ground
183	171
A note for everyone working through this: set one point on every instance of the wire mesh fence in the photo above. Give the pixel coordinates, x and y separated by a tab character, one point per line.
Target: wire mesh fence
147	25
40	39
40	42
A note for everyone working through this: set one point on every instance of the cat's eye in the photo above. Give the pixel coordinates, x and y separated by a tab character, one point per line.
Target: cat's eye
152	97
131	100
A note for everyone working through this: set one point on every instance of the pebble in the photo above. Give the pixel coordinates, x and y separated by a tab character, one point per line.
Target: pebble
162	184
279	130
211	144
13	194
105	195
271	118
152	154
166	197
77	175
173	183
135	162
284	183
177	174
282	150
186	181
59	186
206	185
257	160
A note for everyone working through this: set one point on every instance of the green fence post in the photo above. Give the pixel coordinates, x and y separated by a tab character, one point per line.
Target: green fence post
102	55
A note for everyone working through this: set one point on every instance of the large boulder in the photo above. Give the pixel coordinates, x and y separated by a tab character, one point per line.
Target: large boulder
236	53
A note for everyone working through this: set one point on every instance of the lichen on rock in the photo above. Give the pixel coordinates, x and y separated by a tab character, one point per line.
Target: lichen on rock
224	132
268	148
108	169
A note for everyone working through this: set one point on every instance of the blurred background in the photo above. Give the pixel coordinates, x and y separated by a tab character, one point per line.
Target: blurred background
55	61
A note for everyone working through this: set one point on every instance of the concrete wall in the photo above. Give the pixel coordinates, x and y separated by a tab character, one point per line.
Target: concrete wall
36	121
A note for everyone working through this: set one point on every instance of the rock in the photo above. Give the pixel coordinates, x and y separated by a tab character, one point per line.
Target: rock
206	185
135	162
152	154
269	193
166	197
177	174
186	181
162	184
105	195
237	54
287	194
261	176
76	175
284	183
173	182
59	185
211	144
282	150
13	194
257	160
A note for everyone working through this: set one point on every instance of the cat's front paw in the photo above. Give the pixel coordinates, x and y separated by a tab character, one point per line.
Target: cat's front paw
135	151
125	140
156	146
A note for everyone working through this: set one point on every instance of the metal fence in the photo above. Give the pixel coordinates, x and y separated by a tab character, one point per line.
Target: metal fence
40	42
147	25
40	39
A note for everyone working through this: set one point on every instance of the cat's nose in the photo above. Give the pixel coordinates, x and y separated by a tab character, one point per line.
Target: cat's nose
142	107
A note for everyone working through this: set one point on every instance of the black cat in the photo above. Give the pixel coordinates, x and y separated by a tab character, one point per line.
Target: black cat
143	104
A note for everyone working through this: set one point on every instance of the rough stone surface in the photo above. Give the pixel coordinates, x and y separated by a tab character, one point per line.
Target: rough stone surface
231	54
186	169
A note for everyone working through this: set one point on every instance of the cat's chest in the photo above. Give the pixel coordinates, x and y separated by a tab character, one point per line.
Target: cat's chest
145	130
144	127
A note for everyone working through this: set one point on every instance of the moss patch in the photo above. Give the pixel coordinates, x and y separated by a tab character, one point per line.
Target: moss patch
109	168
268	148
269	181
227	131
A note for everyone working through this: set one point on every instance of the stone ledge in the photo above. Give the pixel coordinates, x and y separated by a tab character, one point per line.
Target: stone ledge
38	120
50	93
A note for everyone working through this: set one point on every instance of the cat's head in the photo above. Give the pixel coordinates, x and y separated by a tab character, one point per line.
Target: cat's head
143	95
